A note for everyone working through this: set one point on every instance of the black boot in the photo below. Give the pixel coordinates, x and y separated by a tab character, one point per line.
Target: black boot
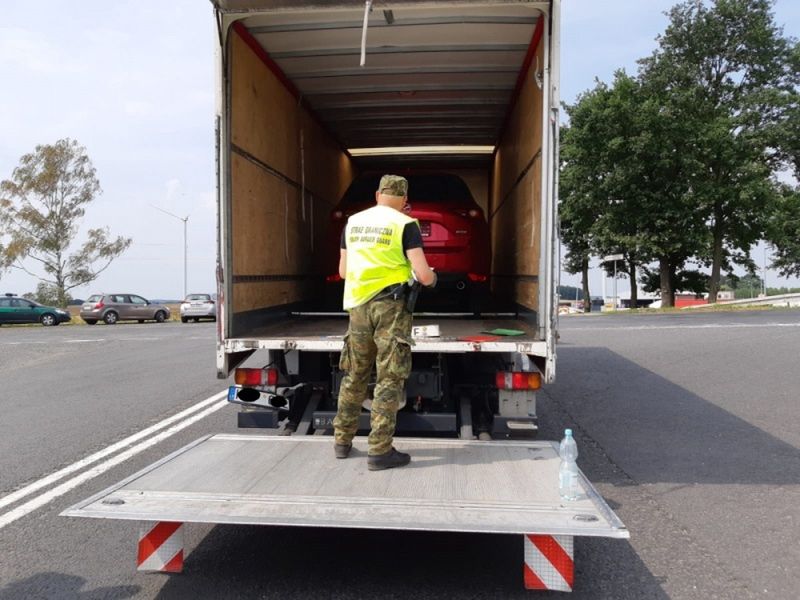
390	460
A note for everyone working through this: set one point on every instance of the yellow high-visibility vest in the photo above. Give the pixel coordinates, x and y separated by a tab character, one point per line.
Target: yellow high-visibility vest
375	257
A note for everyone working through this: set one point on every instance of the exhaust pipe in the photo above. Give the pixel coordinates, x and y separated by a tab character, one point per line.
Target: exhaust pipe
253	396
460	286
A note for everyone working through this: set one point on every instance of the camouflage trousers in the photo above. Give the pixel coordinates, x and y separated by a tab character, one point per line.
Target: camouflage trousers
379	334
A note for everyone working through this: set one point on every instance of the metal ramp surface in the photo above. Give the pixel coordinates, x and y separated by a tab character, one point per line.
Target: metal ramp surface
451	485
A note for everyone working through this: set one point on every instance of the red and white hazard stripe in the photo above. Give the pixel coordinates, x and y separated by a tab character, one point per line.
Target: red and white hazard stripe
161	548
549	562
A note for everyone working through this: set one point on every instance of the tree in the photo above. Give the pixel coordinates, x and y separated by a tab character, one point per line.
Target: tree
47	294
41	207
783	232
726	68
630	155
580	200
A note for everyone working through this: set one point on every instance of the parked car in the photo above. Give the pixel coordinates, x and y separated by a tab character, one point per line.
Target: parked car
14	309
111	308
454	230
198	306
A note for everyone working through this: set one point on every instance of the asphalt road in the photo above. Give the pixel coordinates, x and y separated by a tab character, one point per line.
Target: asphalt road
686	423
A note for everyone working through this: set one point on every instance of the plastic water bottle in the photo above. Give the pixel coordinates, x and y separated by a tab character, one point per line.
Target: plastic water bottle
568	487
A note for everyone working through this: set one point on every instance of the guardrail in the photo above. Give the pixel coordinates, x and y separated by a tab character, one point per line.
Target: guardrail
787	300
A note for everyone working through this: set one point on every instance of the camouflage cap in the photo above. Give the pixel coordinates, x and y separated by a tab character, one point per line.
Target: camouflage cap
393	185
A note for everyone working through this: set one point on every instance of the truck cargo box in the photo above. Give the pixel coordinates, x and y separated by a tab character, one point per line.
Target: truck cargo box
467	87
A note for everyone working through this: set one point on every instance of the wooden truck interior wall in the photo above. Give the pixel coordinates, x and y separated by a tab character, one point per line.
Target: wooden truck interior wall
276	148
515	199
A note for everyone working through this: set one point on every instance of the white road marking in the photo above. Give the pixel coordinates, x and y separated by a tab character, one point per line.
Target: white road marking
708	326
92	458
95	471
83	341
70	484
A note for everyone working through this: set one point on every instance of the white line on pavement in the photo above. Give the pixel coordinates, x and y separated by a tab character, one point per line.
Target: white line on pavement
92	458
70	484
60	490
653	327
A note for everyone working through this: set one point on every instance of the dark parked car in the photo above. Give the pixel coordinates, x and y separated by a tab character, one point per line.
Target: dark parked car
21	310
454	232
111	308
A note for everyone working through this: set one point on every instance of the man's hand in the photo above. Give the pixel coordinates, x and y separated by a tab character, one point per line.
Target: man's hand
419	264
435	280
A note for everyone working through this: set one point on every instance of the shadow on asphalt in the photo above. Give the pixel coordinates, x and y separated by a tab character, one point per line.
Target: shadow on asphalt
63	587
283	562
656	430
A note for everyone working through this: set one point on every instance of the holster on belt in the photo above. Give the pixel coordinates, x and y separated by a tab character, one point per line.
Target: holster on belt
412	293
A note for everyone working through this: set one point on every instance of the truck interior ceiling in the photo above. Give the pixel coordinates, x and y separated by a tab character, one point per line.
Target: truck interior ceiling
445	87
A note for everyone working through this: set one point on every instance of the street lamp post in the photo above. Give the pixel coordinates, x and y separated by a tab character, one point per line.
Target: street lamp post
185	245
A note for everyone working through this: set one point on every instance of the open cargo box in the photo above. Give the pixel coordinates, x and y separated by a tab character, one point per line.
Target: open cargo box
294	102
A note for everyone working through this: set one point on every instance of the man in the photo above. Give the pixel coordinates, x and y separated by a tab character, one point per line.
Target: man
381	246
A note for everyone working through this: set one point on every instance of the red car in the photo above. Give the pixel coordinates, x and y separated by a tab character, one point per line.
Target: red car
454	230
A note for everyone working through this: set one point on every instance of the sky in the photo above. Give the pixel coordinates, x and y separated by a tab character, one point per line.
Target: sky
133	81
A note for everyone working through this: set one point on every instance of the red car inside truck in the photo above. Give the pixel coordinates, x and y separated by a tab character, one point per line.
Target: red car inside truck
454	231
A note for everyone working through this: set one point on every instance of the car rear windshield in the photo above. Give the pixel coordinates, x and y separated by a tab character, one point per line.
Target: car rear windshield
196	297
440	188
95	298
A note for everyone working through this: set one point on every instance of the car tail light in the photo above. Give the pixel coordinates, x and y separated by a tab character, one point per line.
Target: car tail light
518	380
333	278
99	304
210	302
474	213
254	377
477	277
337	215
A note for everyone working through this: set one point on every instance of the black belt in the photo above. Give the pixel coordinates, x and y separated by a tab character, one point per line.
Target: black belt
395	291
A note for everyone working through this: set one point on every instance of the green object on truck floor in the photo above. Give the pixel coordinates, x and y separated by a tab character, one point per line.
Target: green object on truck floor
502	331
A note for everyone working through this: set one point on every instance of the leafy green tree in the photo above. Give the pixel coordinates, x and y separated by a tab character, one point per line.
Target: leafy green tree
683	280
651	216
725	68
47	294
41	208
783	231
580	200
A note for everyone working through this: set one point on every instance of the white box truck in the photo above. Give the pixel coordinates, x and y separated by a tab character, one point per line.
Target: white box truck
467	87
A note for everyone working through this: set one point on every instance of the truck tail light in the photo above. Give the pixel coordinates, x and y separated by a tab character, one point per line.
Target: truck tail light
335	278
256	377
477	277
517	380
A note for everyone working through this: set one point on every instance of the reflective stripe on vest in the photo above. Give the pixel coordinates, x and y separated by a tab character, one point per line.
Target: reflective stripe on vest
375	257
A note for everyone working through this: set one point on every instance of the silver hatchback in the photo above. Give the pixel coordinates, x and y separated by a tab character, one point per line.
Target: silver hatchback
111	308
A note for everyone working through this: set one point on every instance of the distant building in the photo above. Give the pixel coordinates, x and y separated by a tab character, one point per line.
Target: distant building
725	296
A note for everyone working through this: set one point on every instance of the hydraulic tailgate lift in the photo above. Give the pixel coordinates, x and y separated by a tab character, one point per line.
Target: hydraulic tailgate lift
505	487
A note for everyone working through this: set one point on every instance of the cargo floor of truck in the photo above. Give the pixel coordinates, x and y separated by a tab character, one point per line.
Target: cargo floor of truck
450	485
326	333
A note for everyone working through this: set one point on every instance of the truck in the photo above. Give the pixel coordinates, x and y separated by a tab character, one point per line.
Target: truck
309	96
